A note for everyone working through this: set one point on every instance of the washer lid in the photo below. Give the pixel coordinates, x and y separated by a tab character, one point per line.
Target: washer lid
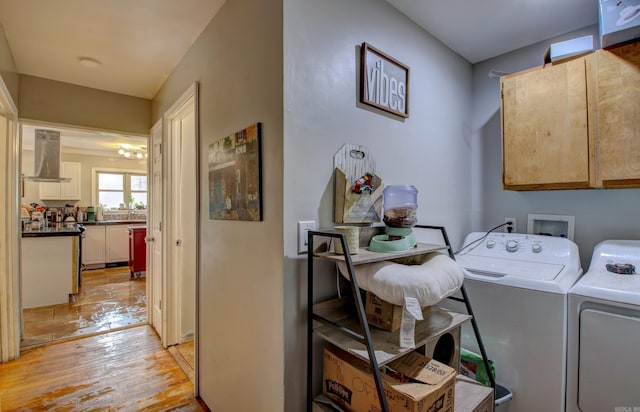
544	277
602	284
497	267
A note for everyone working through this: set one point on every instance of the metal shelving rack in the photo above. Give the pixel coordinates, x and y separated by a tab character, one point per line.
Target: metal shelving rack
341	330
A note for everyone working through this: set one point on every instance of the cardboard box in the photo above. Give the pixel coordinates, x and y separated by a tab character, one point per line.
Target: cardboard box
570	48
471	396
382	314
412	383
619	22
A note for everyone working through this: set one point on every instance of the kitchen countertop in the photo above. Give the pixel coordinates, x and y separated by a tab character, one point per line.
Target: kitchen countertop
52	231
114	222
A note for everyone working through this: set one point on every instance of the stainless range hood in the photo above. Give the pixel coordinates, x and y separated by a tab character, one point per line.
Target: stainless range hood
47	157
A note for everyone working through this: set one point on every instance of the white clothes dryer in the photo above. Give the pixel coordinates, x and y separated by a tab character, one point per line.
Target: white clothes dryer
604	334
518	285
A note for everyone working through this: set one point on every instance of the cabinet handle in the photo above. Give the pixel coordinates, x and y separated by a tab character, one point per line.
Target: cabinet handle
178	242
149	239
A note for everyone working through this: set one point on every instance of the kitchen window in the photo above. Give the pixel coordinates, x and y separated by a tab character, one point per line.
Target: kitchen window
117	190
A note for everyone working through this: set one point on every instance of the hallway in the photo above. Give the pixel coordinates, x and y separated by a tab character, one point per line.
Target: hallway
107	301
126	370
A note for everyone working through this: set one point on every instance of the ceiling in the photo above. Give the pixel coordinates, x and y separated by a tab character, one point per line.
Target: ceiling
481	29
138	43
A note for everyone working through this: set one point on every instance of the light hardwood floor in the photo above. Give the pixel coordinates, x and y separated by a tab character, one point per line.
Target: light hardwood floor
126	370
184	354
107	301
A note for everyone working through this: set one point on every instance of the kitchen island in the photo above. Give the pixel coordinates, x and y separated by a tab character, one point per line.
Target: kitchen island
50	265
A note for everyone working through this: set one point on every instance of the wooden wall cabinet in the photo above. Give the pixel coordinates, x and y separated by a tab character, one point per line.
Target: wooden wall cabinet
546	136
618	116
571	125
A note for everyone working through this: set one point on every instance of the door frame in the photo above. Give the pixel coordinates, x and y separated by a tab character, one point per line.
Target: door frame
10	297
169	236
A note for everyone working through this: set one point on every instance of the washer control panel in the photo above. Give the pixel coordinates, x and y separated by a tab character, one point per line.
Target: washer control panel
513	245
518	246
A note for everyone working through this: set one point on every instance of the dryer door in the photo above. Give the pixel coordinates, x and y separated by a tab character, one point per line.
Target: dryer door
608	376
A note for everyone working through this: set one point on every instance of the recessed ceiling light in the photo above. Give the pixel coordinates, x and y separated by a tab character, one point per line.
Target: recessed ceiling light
89	62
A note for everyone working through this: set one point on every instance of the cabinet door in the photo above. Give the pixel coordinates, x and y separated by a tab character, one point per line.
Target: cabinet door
93	249
63	190
70	190
618	93
545	134
117	243
49	190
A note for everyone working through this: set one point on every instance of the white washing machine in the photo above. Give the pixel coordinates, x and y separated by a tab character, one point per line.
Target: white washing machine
518	286
604	334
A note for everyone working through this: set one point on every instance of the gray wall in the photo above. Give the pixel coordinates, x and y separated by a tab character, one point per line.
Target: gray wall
431	149
237	61
8	70
599	214
63	103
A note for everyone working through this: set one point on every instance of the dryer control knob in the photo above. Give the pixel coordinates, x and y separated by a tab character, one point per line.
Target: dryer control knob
536	248
512	245
491	244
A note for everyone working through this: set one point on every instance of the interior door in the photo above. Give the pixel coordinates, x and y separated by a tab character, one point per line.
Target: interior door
182	245
154	232
180	229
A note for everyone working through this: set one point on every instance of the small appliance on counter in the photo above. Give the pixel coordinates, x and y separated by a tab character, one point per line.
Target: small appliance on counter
91	214
399	205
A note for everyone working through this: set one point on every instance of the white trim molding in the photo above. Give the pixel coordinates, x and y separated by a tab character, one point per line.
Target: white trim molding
10	313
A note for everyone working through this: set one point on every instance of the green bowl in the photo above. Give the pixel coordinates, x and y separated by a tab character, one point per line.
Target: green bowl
381	243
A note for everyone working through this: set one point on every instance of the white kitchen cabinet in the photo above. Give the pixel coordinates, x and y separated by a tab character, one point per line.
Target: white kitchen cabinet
93	246
117	243
63	190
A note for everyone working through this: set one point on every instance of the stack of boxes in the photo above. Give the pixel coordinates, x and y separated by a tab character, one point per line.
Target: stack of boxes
413	383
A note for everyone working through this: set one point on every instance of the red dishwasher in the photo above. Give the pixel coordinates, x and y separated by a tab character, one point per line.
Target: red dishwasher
137	251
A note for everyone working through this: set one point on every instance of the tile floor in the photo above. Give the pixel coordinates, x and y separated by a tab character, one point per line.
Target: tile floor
108	300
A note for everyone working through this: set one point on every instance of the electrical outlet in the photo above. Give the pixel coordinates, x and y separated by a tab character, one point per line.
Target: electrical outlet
513	225
303	228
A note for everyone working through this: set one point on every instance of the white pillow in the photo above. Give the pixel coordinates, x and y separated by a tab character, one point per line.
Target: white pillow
433	279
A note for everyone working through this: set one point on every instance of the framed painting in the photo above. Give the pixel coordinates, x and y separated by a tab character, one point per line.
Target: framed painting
384	81
235	178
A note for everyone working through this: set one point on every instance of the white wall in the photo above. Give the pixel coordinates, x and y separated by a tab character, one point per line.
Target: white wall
599	214
237	61
430	149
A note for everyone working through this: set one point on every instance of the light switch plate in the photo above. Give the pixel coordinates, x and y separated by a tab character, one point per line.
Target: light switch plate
303	228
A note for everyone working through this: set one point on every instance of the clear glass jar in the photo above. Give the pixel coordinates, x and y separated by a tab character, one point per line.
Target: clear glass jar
400	203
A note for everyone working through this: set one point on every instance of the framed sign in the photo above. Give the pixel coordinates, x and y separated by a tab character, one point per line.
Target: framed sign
384	81
235	176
